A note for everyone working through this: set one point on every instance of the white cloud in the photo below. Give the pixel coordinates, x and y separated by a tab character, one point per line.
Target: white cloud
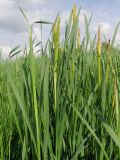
83	13
5	51
105	27
11	19
37	32
36	1
5	7
6	3
40	15
117	40
64	17
13	23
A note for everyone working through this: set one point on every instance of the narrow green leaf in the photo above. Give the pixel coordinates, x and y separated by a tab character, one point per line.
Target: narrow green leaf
24	15
115	34
113	135
14	49
43	22
91	130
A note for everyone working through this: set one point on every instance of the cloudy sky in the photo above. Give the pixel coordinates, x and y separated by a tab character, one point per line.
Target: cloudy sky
14	29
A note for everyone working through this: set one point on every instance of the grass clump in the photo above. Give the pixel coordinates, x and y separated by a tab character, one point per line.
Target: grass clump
63	104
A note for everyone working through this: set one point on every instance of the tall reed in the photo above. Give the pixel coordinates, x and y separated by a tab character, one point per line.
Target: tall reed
99	55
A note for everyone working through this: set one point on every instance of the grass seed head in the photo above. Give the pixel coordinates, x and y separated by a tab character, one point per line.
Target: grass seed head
108	61
58	29
108	52
108	47
99	41
54	33
74	13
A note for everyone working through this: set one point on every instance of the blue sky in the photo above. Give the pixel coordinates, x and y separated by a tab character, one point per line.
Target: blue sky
13	27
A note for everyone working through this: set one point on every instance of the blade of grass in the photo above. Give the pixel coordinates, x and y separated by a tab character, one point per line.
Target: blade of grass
91	130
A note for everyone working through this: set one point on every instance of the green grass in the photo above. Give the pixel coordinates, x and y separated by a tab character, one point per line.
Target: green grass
53	107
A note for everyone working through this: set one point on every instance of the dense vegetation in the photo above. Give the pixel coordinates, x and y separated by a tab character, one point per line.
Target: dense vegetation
64	104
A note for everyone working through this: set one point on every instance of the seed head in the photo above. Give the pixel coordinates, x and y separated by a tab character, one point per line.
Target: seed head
74	13
99	41
54	33
58	29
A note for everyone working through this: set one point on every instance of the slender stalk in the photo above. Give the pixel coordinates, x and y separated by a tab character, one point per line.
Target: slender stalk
108	61
115	100
99	55
32	69
78	39
56	39
74	13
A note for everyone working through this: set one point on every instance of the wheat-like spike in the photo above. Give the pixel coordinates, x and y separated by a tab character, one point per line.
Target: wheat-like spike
58	30
74	13
78	39
99	41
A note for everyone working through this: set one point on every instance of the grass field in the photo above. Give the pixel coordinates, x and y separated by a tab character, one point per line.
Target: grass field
63	104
